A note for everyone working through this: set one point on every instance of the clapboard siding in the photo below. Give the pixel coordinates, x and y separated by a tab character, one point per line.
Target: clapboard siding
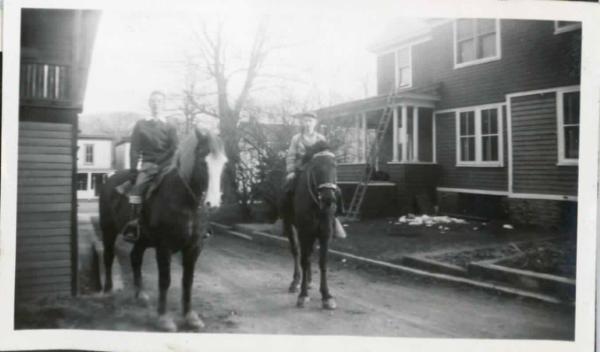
44	208
52	158
45	272
43	198
45	150
535	148
22	189
49	142
31	133
452	176
45	173
533	57
45	126
43	181
44	166
350	172
43	264
45	225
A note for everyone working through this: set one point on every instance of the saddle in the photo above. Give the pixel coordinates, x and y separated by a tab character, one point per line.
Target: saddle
125	187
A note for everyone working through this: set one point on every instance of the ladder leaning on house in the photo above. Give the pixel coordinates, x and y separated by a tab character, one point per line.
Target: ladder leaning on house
353	212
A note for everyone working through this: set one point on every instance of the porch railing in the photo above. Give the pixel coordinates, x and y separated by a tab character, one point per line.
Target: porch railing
44	82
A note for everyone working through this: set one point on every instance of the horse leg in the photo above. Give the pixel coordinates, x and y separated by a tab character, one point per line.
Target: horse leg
326	297
305	253
136	257
190	256
108	240
163	259
295	249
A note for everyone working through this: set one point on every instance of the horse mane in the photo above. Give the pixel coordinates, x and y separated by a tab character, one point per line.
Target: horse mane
318	147
185	155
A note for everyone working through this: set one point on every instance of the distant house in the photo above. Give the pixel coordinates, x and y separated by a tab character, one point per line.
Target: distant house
94	164
485	119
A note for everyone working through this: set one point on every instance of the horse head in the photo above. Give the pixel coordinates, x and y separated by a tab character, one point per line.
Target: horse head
200	162
323	176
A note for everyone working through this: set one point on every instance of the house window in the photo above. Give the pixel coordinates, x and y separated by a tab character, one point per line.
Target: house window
467	136
479	136
403	68
89	153
565	26
476	41
568	127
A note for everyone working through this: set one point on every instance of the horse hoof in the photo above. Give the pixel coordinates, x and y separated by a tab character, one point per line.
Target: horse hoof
192	320
302	301
143	299
329	303
294	287
166	323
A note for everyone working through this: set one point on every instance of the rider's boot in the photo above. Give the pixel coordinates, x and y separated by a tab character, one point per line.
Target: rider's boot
339	231
131	231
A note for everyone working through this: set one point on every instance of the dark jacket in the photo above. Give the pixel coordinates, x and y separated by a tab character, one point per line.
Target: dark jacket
155	141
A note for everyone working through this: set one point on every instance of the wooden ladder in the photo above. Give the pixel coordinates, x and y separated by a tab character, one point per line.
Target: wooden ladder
353	212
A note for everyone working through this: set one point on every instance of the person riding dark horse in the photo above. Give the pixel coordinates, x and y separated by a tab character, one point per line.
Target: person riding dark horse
174	219
153	142
295	163
313	220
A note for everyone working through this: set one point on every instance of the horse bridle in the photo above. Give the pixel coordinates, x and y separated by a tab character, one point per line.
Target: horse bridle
326	185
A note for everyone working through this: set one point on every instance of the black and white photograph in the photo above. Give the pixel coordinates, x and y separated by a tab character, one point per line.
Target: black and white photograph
312	174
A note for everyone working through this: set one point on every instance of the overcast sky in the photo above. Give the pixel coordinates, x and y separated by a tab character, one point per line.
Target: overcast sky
325	54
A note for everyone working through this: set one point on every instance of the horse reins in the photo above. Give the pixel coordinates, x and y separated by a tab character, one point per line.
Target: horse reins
311	181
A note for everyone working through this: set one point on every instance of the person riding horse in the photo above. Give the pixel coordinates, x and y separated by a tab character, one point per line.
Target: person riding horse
295	160
153	141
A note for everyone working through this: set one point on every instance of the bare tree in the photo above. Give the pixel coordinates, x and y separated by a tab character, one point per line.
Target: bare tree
208	92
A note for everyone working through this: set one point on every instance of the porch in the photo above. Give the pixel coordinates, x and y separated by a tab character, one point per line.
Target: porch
405	166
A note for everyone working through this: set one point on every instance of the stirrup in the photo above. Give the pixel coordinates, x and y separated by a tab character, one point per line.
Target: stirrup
131	231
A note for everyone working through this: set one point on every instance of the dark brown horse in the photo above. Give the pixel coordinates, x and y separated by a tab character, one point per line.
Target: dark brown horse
173	219
311	219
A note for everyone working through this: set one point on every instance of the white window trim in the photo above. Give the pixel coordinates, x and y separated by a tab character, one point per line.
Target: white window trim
498	55
562	161
410	67
569	28
478	148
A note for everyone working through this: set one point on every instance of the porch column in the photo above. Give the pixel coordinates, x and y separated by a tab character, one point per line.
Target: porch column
363	117
404	132
415	133
89	184
395	134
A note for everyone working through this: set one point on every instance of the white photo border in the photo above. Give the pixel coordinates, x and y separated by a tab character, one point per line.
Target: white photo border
587	13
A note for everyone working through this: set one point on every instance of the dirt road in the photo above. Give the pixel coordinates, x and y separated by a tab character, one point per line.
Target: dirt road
241	287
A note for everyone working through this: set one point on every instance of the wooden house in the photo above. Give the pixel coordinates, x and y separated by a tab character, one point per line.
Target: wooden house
485	120
94	163
56	47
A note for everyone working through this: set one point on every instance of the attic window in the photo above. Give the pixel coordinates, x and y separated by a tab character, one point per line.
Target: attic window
476	41
403	68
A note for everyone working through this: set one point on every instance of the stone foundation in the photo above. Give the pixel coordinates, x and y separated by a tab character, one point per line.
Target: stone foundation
555	214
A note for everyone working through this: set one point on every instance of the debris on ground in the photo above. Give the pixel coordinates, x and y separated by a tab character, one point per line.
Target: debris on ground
414	220
508	227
